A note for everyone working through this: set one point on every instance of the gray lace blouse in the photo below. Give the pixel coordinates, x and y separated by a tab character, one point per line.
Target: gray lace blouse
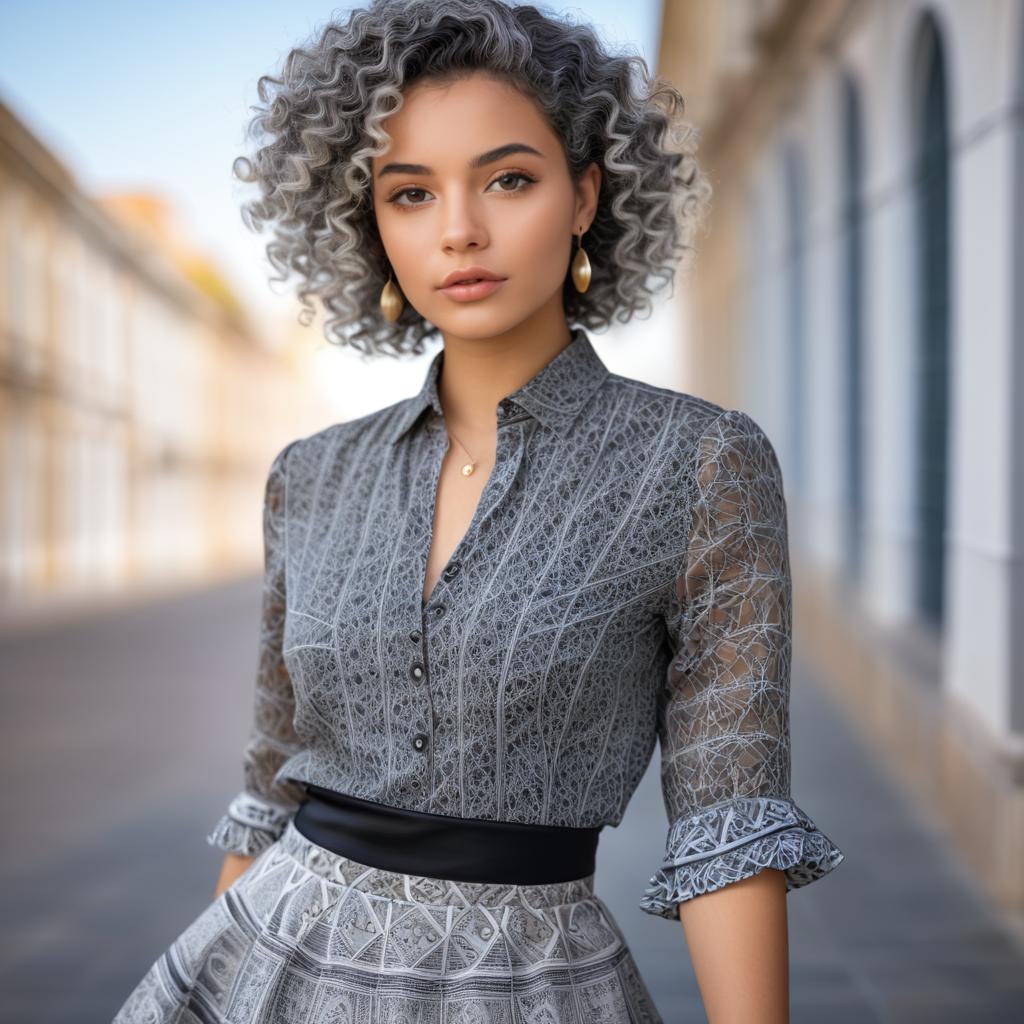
624	581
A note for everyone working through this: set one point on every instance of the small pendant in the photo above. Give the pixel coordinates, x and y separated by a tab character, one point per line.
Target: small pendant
467	469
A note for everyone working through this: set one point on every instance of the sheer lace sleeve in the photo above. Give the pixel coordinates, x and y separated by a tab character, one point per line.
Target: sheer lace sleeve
723	714
260	812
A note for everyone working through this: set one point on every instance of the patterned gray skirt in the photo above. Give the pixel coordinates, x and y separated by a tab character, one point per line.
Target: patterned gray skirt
305	934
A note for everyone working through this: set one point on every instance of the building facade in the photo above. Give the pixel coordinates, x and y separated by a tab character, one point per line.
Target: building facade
860	291
139	408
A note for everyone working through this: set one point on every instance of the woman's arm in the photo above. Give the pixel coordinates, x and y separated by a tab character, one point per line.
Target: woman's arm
235	864
738	939
260	812
737	841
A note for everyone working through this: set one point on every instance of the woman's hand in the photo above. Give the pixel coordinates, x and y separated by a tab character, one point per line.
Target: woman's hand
234	865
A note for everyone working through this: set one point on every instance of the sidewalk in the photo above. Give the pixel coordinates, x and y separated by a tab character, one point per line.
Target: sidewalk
903	924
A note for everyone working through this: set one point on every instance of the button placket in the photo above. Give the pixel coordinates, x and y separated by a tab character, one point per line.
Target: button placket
447	590
421	741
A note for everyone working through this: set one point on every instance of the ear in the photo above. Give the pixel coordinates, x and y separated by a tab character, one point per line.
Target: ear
588	189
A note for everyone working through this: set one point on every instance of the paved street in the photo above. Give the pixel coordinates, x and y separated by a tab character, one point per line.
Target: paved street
122	744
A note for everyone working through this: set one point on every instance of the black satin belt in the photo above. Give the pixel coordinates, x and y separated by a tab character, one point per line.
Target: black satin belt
442	846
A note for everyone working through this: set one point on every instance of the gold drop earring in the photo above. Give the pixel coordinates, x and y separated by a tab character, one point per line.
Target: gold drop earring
581	267
391	301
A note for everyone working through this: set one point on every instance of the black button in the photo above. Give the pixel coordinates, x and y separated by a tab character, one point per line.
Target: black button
439	609
414	636
452	570
416	670
419	741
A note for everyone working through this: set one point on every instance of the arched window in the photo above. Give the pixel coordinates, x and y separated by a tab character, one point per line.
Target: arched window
852	312
795	278
932	252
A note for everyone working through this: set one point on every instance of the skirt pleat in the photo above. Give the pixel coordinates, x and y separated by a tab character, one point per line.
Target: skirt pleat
307	935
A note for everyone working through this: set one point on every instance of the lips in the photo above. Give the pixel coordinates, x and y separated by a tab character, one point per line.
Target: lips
468	292
470	275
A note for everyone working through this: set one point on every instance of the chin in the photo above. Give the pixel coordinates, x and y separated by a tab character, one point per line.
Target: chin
482	325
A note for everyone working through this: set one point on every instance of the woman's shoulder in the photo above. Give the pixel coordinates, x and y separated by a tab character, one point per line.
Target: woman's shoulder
683	422
329	441
659	408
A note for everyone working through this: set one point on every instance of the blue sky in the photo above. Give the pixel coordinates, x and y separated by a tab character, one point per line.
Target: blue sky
155	96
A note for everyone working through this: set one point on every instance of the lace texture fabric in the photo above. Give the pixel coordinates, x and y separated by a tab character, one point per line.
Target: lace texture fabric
723	713
735	840
623	584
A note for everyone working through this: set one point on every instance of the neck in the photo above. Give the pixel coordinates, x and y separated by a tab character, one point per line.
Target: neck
477	373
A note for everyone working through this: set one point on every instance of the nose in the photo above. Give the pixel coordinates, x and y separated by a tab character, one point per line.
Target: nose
462	221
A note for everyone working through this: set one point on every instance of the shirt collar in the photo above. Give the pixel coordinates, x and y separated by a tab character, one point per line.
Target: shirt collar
555	395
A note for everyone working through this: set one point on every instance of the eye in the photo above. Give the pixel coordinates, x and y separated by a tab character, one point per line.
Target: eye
513	175
507	176
403	192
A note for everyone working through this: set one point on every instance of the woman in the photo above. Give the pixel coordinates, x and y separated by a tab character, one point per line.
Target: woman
485	604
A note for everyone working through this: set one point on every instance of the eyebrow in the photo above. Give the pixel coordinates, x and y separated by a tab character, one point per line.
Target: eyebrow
478	161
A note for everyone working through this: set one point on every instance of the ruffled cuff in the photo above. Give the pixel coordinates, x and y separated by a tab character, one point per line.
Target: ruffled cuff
733	840
250	825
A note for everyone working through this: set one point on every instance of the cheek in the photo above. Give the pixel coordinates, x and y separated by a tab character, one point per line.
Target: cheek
401	236
538	238
406	239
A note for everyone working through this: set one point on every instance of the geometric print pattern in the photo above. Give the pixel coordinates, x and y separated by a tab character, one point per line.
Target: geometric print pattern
308	935
624	583
250	825
734	840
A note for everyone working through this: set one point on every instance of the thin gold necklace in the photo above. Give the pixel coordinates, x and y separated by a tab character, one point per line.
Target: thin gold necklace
467	469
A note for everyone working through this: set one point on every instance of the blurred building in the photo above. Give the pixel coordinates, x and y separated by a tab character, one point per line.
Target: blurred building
139	409
860	291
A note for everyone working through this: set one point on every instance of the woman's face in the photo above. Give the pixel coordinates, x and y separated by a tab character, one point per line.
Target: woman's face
491	189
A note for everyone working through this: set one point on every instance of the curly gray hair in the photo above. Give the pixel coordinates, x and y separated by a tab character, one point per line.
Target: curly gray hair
321	123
